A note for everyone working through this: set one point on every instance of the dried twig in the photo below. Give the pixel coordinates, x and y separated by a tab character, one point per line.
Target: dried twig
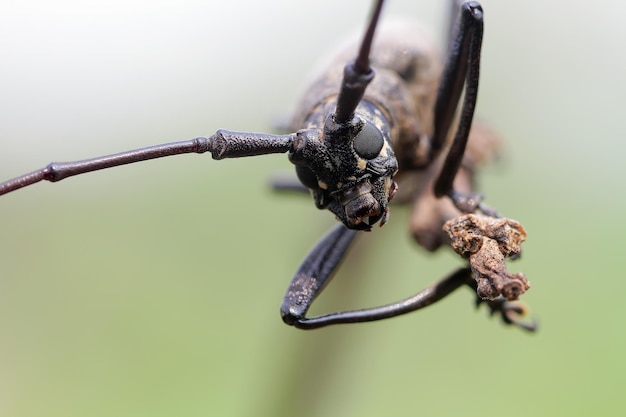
486	242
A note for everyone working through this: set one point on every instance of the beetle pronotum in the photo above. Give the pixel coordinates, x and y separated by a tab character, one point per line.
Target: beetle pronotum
387	116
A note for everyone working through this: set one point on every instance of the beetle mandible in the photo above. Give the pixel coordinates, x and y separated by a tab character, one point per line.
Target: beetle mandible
388	116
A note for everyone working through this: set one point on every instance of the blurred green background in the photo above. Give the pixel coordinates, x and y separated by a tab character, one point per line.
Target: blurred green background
153	290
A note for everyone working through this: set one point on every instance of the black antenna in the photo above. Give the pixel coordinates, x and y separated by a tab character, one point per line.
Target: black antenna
358	74
223	144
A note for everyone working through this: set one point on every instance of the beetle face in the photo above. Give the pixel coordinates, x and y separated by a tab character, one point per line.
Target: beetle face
349	170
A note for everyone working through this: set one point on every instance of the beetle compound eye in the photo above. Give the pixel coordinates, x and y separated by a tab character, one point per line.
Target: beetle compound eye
306	176
368	142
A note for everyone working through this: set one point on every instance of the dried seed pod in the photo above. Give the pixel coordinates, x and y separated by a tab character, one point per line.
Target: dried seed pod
486	242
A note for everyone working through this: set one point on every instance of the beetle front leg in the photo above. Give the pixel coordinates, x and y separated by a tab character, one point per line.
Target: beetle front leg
461	69
317	268
313	275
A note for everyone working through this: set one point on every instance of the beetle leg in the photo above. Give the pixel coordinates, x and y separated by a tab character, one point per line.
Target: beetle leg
321	262
305	287
461	69
510	311
319	265
313	275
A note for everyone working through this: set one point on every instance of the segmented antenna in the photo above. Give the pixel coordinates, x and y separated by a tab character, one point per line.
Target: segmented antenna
357	74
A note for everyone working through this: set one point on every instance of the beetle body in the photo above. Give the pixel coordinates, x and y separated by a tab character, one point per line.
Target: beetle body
401	98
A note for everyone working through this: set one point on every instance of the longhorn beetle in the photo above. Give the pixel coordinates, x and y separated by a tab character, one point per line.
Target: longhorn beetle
387	116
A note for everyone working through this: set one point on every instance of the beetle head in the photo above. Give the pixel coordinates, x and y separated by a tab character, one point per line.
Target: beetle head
349	168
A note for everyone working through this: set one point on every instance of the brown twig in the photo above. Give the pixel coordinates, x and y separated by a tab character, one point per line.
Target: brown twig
486	242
